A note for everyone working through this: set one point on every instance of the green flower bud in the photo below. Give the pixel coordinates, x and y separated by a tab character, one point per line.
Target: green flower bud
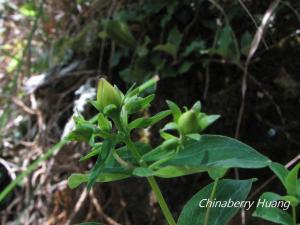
188	123
107	95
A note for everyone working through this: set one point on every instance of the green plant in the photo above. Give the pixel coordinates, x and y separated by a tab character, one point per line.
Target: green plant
184	150
173	38
291	183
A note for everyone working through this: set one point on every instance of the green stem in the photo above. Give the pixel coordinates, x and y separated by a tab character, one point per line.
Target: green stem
294	215
154	186
212	196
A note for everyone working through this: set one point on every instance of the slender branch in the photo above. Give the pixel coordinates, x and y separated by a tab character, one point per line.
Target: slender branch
212	196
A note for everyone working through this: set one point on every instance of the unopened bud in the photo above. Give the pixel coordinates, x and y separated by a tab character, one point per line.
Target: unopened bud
107	94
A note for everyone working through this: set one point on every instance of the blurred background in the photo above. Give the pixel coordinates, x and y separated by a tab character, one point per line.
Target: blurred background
240	58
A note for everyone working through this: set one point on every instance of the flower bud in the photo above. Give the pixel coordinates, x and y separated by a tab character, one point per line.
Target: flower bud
187	123
107	94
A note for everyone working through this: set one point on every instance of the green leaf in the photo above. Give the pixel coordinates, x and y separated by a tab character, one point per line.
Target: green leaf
28	10
104	123
292	180
225	45
174	171
195	46
106	176
206	121
292	199
142	172
104	155
169	126
280	171
95	104
83	130
135	104
176	112
211	151
272	214
120	33
165	135
95	151
175	37
197	107
217	173
167	48
185	67
234	190
146	122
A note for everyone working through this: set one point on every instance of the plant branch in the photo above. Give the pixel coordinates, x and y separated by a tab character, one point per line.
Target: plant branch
212	196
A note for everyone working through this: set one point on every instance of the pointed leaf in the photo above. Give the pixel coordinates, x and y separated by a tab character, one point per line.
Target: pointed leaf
95	151
272	214
105	154
104	123
211	151
106	176
146	122
120	33
176	112
205	121
280	171
228	191
292	180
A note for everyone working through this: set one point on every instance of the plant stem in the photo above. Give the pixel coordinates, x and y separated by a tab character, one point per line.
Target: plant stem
294	215
212	196
154	186
161	201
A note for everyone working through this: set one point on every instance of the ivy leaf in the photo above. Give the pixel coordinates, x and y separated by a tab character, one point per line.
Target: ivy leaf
225	45
167	48
195	46
185	67
120	33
